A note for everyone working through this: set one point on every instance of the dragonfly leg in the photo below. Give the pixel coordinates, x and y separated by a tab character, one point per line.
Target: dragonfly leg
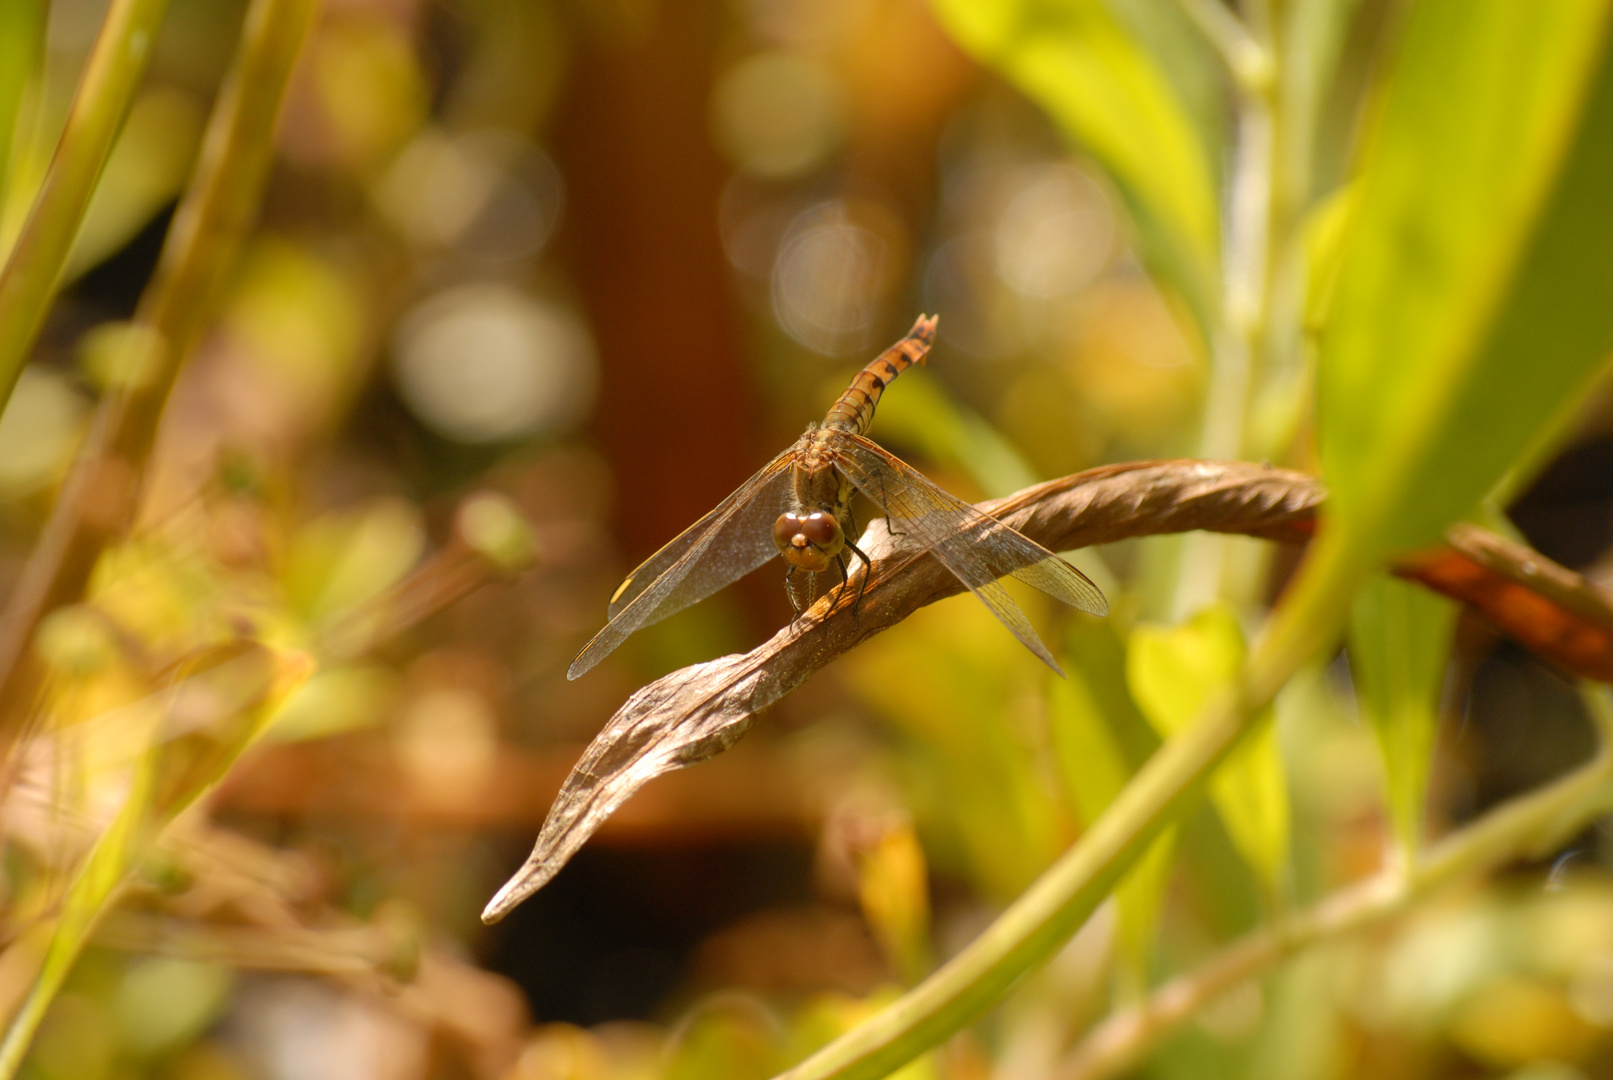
890	518
862	586
840	564
789	590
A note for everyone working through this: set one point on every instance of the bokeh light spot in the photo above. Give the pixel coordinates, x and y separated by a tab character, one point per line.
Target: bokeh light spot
485	363
835	265
37	431
491	196
1057	233
778	114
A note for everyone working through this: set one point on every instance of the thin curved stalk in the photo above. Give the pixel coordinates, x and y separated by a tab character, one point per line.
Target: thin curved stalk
1243	56
32	272
99	498
1038	923
1520	826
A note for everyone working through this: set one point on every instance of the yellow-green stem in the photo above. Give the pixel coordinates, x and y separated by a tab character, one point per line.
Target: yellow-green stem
1042	919
206	234
28	282
1515	828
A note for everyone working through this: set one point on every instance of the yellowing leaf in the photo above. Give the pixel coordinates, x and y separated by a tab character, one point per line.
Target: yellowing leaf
894	890
346	558
1173	672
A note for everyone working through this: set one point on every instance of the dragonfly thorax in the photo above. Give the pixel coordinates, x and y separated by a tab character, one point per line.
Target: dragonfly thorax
809	542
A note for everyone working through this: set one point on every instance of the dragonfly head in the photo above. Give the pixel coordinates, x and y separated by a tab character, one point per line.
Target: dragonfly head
809	542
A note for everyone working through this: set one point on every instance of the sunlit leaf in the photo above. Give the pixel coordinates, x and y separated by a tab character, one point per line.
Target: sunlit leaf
165	1002
1093	728
338	699
1079	64
831	1016
241	687
734	1038
923	416
1173	672
32	269
22	39
1400	637
1312	40
346	558
978	797
894	890
1476	292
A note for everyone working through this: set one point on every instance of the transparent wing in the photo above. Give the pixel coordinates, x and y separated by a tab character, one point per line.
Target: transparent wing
722	547
976	547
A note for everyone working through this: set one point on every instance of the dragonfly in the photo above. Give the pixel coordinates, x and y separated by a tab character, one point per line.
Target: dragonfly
798	507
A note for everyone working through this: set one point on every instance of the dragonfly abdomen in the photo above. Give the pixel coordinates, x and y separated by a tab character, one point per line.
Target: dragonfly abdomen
854	411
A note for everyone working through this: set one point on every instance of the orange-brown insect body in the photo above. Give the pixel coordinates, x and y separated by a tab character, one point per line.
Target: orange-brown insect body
805	492
812	536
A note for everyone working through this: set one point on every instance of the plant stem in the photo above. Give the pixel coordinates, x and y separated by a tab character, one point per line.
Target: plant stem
99	498
28	282
1246	59
1518	827
1236	342
1035	925
248	684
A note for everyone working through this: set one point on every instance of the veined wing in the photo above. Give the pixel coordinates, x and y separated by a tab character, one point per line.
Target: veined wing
722	547
976	547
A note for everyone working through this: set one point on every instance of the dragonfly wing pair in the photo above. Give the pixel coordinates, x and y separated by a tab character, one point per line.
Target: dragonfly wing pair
977	548
808	483
720	548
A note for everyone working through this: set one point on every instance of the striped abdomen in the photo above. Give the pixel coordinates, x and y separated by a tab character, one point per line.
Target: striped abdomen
855	409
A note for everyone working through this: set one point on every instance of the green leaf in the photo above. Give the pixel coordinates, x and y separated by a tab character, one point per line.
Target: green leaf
977	797
145	172
1400	638
33	267
1077	62
1094	730
1173	673
22	47
1312	39
1476	293
247	684
350	556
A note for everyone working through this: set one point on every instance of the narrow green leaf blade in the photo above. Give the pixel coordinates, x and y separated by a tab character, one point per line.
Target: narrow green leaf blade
1399	641
33	267
1476	294
22	48
250	684
1094	729
87	900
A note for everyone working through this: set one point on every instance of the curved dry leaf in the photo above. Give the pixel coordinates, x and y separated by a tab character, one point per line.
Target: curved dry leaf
698	712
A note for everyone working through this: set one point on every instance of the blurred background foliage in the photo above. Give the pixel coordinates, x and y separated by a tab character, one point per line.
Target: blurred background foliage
535	283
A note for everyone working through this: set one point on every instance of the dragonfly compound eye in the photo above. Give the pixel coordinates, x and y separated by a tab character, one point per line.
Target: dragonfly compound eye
809	541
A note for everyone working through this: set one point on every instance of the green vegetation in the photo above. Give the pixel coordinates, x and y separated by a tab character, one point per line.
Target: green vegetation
459	307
